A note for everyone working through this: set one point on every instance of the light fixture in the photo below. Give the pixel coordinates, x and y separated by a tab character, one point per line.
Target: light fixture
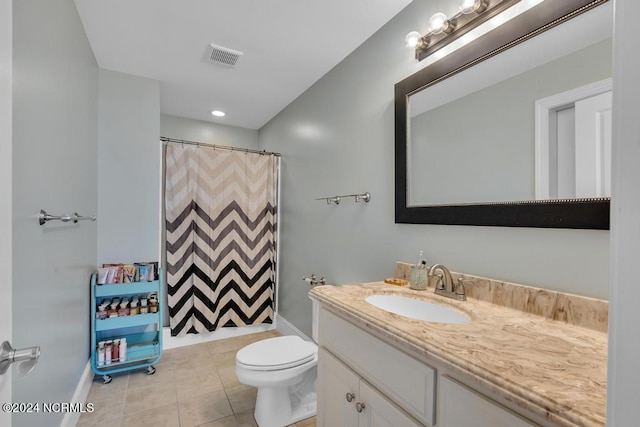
412	39
443	30
438	23
472	6
218	113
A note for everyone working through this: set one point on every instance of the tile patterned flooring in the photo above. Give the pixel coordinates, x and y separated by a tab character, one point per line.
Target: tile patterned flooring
193	386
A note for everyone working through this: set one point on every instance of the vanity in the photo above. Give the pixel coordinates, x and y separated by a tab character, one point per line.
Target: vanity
543	363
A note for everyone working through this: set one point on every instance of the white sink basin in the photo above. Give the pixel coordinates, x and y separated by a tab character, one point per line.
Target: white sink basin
416	309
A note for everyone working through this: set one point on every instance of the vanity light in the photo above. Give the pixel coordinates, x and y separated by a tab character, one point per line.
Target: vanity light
218	113
443	30
438	23
412	39
471	6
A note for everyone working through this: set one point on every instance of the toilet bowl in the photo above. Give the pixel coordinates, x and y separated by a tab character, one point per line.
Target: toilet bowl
284	371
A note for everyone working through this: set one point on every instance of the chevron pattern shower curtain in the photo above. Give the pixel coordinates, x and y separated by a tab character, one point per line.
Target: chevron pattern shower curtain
220	211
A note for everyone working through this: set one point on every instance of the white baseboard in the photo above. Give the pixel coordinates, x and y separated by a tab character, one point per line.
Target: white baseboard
79	396
169	342
286	328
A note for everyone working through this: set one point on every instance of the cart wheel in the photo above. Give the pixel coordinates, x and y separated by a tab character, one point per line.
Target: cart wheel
151	370
106	379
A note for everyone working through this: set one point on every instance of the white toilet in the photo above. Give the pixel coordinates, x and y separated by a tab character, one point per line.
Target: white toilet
284	371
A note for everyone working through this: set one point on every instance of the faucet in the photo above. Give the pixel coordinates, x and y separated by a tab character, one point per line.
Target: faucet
443	283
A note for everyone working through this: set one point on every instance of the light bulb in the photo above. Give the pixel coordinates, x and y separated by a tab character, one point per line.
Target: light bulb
438	23
412	39
218	113
470	6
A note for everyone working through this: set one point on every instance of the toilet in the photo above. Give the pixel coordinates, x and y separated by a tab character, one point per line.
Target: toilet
283	369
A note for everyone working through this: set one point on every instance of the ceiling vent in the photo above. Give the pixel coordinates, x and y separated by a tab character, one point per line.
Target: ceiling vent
223	55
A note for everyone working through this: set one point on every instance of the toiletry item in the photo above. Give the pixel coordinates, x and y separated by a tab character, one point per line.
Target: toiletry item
115	351
107	352
142	272
150	272
156	273
111	272
113	310
153	302
123	349
133	310
101	312
124	309
101	354
144	307
418	277
129	273
102	276
395	282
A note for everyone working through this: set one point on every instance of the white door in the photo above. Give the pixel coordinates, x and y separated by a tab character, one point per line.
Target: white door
377	411
5	195
337	392
593	146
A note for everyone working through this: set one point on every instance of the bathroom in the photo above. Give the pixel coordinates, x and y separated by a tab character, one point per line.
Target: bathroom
71	122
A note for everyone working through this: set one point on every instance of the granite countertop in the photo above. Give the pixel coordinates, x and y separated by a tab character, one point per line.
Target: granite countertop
547	367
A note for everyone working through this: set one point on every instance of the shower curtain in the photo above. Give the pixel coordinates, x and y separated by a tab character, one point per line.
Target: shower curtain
220	212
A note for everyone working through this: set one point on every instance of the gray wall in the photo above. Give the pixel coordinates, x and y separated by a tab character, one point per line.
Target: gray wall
488	137
207	132
338	138
128	169
55	139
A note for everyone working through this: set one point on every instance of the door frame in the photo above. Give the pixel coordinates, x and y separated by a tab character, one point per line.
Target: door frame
6	140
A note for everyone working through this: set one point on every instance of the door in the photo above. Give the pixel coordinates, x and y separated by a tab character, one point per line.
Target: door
5	194
377	411
337	392
593	122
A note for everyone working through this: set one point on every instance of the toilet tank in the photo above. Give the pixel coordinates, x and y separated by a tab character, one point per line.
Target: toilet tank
314	320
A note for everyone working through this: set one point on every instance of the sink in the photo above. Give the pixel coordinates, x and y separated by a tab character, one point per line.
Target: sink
416	309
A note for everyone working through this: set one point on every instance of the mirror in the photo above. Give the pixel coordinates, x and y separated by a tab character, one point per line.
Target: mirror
467	152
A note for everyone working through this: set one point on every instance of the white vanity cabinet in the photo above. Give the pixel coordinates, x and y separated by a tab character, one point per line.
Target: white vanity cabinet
345	399
393	379
356	368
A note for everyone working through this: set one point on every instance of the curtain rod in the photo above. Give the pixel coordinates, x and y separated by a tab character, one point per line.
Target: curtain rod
223	147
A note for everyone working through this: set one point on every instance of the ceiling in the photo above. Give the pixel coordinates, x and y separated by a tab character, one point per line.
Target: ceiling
287	45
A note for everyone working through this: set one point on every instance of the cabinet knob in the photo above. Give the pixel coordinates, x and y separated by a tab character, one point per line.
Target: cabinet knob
359	407
350	397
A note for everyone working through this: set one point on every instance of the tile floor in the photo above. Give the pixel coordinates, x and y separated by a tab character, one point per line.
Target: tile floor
192	386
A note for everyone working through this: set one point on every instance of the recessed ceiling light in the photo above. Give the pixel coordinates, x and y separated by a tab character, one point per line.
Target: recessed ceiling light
218	113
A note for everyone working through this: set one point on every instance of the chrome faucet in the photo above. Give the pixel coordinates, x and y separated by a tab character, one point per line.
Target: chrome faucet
443	283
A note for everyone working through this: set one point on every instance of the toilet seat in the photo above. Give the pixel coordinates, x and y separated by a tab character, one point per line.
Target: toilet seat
276	353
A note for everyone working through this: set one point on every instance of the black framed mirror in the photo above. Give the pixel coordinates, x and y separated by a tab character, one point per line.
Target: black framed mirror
554	212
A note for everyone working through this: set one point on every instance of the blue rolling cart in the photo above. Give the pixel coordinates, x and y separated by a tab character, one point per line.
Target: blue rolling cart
143	332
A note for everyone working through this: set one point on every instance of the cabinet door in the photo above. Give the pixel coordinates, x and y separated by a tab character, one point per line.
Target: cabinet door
380	412
460	406
335	380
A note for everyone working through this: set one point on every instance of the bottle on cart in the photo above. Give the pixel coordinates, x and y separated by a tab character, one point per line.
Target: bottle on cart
107	352
115	355
123	349
101	353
